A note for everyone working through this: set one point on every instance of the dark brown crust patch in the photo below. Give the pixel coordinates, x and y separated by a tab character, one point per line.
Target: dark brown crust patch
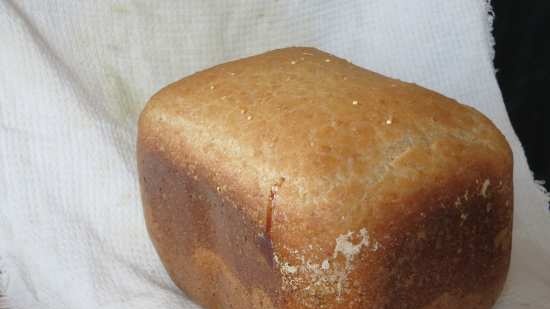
185	213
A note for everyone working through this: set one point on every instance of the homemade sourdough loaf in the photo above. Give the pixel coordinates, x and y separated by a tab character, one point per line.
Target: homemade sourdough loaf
295	179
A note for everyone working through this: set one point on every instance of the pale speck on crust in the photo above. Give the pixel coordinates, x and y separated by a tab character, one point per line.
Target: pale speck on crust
289	269
212	87
354	102
458	202
327	60
292	62
484	187
389	121
347	248
249	117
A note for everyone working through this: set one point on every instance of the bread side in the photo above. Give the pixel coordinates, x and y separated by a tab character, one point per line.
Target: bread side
308	182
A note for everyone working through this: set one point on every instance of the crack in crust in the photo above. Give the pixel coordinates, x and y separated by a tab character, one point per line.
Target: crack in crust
271	205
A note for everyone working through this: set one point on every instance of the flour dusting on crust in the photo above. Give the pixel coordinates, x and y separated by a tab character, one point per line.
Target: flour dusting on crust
329	277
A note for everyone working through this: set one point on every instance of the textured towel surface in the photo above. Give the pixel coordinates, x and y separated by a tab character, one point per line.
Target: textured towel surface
75	74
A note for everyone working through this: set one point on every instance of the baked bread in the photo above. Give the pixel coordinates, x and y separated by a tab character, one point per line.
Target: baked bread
295	179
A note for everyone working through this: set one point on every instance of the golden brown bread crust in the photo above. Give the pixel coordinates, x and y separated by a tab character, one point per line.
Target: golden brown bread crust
295	179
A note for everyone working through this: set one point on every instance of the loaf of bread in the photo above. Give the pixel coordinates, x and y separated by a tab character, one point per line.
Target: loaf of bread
295	179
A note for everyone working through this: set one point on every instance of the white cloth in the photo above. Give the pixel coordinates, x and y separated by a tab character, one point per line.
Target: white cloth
75	74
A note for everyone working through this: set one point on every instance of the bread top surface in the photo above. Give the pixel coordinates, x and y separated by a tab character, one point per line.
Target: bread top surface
318	139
